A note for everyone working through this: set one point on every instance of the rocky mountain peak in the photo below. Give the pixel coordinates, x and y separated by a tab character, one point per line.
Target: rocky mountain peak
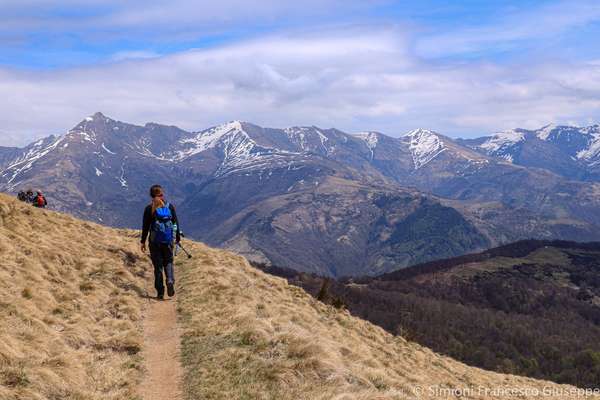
501	144
97	118
424	145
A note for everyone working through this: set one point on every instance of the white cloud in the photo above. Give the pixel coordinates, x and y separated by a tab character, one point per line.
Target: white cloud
353	79
134	55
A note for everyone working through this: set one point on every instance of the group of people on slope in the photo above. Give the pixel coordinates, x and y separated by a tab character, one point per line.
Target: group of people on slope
37	200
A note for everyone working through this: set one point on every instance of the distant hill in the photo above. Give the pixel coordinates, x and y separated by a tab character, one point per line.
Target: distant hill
74	297
530	308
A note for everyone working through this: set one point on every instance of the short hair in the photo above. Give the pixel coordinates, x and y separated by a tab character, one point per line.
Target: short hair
155	190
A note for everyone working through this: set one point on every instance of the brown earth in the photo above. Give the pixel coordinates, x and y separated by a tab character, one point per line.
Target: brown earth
161	352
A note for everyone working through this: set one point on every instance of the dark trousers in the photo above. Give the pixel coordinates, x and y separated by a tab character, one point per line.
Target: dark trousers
162	259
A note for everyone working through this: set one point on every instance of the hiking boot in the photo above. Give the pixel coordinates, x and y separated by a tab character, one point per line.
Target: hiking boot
170	289
160	297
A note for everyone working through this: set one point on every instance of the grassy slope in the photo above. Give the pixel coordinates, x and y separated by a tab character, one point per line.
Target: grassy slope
69	307
248	335
529	308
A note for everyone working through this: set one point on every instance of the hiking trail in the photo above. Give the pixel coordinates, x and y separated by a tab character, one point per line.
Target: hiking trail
161	352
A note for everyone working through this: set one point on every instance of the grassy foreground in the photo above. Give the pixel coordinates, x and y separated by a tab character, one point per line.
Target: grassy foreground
70	328
70	307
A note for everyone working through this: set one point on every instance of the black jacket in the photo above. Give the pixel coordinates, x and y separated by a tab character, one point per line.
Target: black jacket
149	218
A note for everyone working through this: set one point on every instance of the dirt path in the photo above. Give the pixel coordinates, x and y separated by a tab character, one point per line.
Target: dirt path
161	351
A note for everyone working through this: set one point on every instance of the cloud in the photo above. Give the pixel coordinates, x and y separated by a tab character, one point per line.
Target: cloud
134	55
62	33
355	79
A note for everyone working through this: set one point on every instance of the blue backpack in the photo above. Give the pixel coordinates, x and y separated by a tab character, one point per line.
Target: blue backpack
162	227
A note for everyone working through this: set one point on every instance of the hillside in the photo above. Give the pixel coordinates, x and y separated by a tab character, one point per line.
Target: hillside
511	309
269	333
70	309
74	298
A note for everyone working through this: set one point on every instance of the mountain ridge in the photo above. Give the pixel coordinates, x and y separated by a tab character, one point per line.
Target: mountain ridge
222	177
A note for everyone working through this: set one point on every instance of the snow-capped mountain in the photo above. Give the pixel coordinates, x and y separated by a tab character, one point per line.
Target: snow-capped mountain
569	151
318	199
503	144
424	146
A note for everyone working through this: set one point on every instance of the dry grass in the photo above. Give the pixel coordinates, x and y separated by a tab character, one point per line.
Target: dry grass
70	327
70	307
248	335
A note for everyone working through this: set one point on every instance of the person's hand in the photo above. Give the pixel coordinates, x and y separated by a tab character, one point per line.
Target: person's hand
143	247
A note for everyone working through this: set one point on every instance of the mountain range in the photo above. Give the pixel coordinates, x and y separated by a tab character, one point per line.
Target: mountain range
322	200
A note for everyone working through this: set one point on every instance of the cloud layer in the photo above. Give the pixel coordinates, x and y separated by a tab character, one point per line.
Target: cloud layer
354	77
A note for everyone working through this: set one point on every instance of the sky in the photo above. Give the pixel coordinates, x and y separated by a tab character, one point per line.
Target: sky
463	68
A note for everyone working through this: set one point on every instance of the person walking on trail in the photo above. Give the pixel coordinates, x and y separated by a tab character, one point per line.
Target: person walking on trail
40	200
161	225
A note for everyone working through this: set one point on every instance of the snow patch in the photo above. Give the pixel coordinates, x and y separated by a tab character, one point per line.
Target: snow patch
501	143
107	150
591	154
371	139
304	137
424	146
98	172
207	139
122	179
545	132
86	136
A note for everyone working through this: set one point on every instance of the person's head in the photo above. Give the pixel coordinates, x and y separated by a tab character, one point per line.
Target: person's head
39	193
157	195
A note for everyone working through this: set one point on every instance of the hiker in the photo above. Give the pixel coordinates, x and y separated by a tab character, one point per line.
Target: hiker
39	200
160	222
22	196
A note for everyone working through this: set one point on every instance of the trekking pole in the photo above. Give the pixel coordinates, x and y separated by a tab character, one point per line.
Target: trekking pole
184	250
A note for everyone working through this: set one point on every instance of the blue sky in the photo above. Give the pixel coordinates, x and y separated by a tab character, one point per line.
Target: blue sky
463	68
